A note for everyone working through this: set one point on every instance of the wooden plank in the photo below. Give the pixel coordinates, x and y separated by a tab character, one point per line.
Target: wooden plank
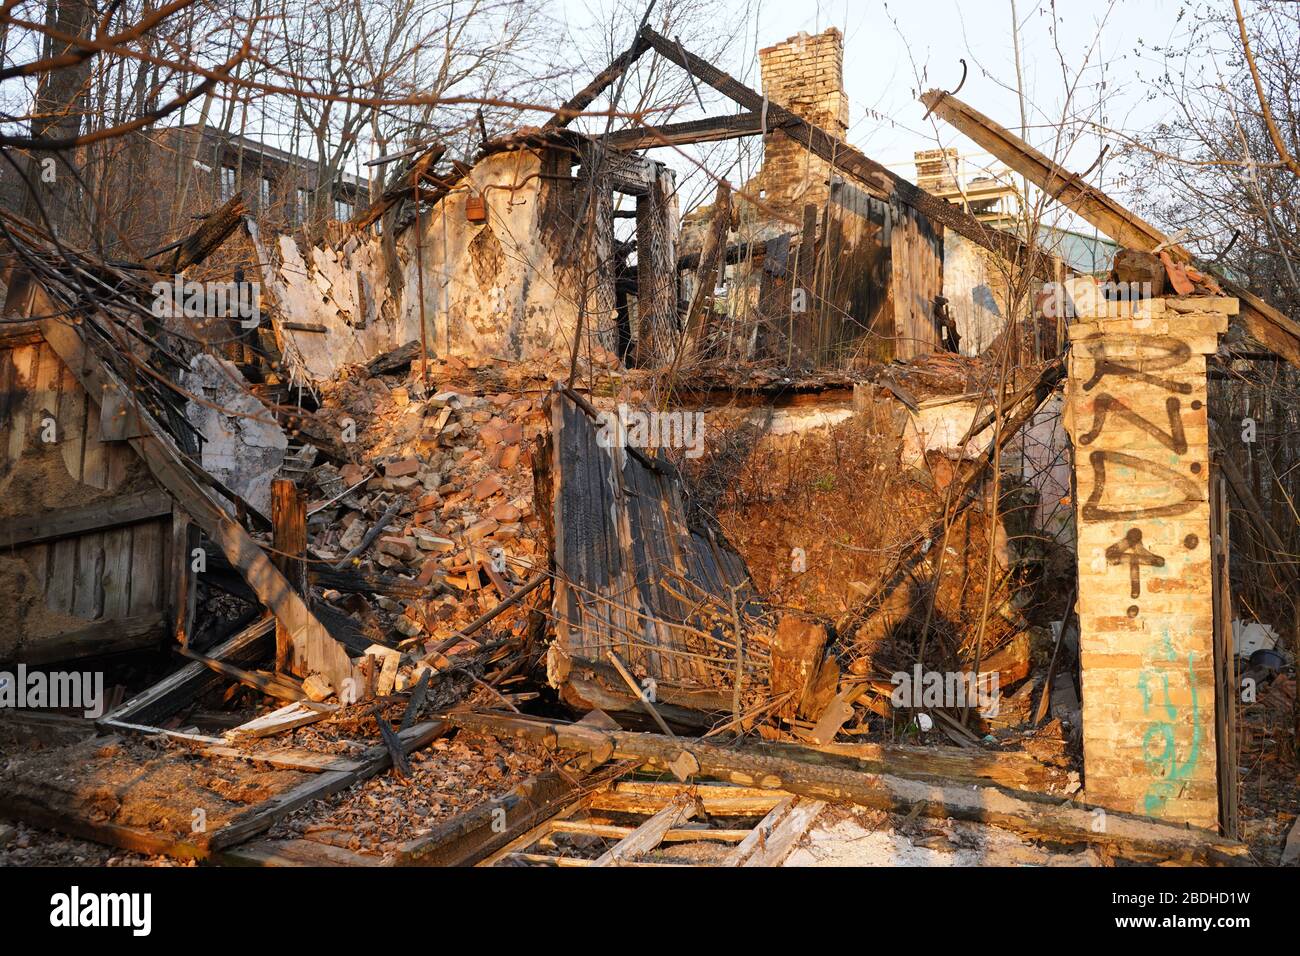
183	589
201	740
753	842
62	579
297	714
271	685
44	399
118	420
87	595
719	800
656	237
708	130
94	458
100	516
706	278
116	636
613	831
649	834
147	565
116	581
24	361
70	429
164	698
286	758
289	544
776	835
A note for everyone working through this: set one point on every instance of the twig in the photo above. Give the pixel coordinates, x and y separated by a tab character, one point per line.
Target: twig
640	694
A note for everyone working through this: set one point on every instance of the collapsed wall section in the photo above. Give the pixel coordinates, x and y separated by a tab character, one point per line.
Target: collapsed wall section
500	267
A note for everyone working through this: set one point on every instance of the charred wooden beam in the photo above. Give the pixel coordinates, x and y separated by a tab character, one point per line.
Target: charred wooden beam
141	632
215	230
289	547
101	516
737	252
709	130
714	244
603	80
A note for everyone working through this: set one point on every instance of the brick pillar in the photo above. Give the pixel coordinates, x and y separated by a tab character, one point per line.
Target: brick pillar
805	74
1136	412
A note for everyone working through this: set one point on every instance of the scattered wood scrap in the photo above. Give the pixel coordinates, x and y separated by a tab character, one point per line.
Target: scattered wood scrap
1041	819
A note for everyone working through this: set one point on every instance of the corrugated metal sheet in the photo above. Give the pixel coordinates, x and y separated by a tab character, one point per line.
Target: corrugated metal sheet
632	576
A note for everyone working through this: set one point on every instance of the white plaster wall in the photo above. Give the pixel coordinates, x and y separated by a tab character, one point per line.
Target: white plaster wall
969	285
490	290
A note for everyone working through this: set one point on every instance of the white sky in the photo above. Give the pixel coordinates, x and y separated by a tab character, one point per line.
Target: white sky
893	50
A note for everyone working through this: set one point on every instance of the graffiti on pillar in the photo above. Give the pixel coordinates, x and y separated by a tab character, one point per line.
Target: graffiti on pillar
1160	741
1120	360
1156	353
1131	549
1138	358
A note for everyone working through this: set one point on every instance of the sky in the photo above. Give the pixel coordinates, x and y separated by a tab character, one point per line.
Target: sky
894	50
891	49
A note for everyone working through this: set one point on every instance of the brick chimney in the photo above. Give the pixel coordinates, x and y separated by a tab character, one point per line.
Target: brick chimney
805	74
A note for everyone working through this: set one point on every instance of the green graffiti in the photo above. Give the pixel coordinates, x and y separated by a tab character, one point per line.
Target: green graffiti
1159	743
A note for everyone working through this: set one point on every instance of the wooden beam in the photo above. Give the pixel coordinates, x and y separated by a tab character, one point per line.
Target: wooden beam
738	252
649	834
100	516
173	692
656	255
1270	327
271	685
289	543
706	278
1126	835
183	596
775	835
140	632
709	130
875	178
216	229
1012	770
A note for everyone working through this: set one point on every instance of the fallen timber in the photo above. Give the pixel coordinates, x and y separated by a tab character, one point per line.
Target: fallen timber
1130	837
